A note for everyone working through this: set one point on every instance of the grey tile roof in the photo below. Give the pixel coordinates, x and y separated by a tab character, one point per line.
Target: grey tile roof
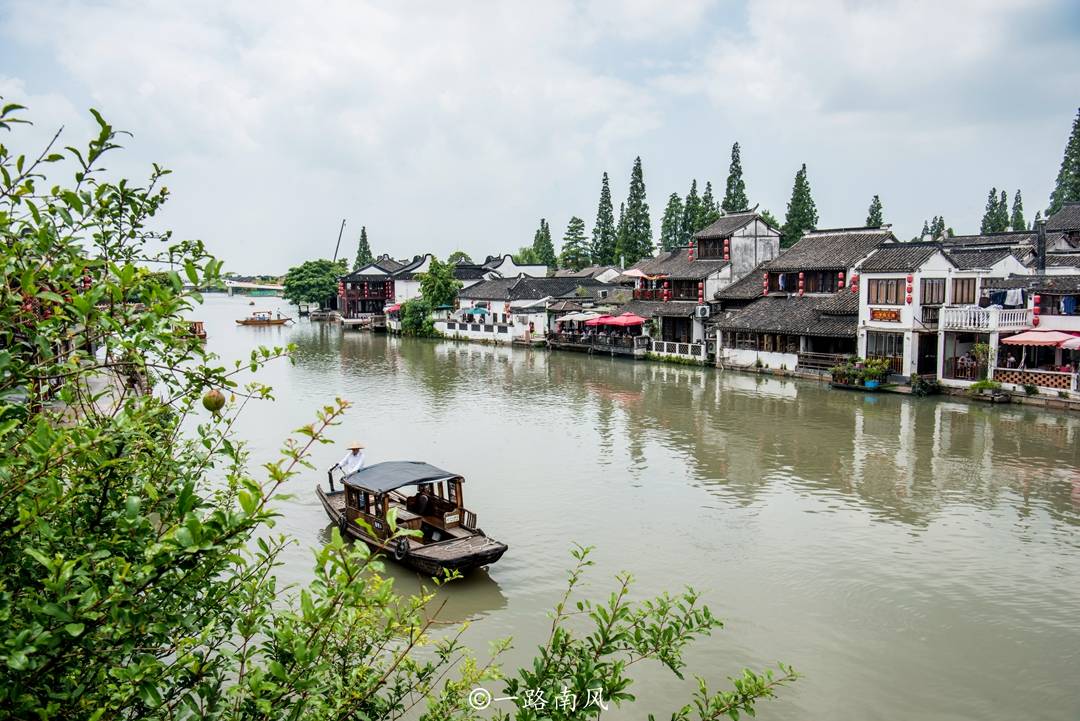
898	257
793	315
1009	239
724	226
837	249
1066	260
470	271
590	272
1068	218
677	264
746	288
654	308
526	288
971	259
1064	284
387	263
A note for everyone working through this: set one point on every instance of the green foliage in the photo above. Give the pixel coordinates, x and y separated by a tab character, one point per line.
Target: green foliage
996	215
710	211
314	281
981	351
1016	219
1031	389
526	255
874	213
138	562
363	251
735	195
671	224
769	218
691	215
984	385
856	371
801	211
925	385
542	245
438	285
459	256
1063	394
604	232
1067	185
575	247
635	240
416	318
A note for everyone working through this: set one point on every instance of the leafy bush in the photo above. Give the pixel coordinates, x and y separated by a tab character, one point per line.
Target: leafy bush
138	556
1031	389
416	319
925	385
1063	394
984	385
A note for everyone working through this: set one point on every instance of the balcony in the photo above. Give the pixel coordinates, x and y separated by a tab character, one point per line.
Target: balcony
601	343
974	318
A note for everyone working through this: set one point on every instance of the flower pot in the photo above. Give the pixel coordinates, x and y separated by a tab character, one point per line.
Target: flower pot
871	384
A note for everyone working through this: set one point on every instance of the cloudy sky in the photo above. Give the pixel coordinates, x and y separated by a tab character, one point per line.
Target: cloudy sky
446	125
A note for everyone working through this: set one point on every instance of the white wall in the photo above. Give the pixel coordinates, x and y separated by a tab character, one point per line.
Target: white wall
507	268
748	358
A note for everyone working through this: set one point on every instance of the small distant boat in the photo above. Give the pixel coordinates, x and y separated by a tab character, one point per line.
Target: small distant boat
196	329
448	540
264	318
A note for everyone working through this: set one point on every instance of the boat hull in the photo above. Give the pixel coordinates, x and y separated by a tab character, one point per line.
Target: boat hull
433	559
272	321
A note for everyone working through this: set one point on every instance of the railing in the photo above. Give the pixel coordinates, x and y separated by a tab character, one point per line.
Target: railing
468	519
648	294
896	363
690	350
930	315
820	361
972	317
1043	379
961	369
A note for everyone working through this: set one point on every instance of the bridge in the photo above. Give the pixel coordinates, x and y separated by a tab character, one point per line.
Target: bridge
244	287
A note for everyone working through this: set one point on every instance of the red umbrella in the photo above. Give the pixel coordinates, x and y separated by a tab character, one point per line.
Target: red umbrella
627	319
602	320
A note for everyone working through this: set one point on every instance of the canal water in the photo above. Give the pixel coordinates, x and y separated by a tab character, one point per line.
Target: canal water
911	557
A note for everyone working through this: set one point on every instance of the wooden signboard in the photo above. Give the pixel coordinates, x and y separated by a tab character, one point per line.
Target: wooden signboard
889	315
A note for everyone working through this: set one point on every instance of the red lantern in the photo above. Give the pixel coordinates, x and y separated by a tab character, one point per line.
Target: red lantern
909	300
1036	310
854	288
340	288
910	278
909	289
1035	320
690	250
801	275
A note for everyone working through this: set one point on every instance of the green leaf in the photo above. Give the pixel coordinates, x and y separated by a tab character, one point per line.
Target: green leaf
75	629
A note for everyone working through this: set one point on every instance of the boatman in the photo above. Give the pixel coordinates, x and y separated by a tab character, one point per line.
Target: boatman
352	462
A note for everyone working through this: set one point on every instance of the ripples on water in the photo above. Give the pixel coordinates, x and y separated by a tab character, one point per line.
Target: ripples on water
913	557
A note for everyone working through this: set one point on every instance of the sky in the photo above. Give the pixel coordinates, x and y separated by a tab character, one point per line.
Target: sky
458	125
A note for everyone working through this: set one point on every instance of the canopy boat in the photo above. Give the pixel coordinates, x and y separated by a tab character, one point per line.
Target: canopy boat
264	318
423	498
196	329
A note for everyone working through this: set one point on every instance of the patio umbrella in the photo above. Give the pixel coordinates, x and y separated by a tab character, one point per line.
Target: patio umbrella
1072	344
1039	337
627	319
601	320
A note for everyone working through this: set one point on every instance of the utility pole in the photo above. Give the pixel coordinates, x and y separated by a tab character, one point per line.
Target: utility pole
338	246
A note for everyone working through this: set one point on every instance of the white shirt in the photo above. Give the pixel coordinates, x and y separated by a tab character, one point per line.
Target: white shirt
351	463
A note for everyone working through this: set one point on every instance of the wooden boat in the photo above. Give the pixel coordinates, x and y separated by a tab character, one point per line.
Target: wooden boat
422	498
263	318
196	329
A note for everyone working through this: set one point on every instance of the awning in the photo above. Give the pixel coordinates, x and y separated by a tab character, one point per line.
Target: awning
1039	337
627	319
1073	344
577	317
392	308
383	477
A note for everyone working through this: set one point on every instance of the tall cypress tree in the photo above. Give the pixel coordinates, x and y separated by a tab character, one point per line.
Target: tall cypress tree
620	238
801	210
672	222
575	247
542	245
710	211
990	213
925	230
691	213
874	213
604	231
363	251
937	227
1016	220
735	195
1067	185
1001	218
638	242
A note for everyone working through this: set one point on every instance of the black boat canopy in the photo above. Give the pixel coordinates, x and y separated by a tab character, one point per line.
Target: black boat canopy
383	477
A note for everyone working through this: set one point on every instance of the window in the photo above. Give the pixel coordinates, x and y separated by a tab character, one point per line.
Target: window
963	291
886	291
889	345
710	248
932	291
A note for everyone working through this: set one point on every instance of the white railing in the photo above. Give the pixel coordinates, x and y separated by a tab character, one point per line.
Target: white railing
972	317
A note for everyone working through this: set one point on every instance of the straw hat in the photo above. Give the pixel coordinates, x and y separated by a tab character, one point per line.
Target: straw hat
355	445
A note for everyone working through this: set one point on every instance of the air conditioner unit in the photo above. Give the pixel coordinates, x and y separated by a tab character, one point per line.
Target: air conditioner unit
702	311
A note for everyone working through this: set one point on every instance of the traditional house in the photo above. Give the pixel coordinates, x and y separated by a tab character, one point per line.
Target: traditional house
744	239
816	327
508	310
602	273
507	267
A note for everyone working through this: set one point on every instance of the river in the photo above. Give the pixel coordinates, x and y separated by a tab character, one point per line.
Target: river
910	557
